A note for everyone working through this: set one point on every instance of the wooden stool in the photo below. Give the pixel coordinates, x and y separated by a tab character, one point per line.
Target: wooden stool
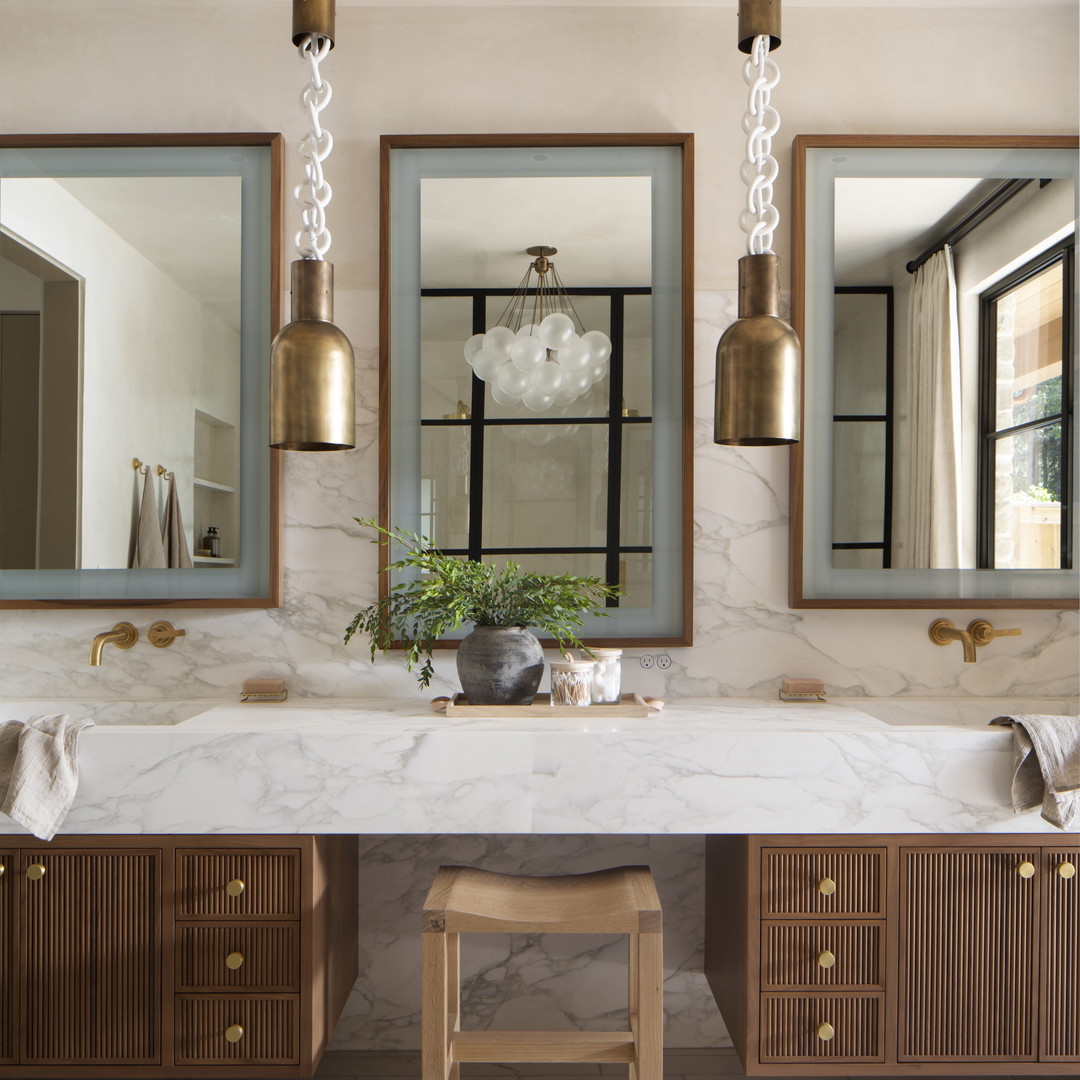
463	900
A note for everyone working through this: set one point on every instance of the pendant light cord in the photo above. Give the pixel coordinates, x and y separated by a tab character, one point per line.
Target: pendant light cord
313	194
759	168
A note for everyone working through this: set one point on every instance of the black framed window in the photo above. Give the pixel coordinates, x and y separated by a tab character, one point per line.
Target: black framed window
474	457
862	426
1026	431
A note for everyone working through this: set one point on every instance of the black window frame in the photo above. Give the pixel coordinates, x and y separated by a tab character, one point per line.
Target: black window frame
1065	253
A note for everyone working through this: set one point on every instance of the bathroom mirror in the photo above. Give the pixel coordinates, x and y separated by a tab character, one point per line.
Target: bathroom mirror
139	290
933	287
593	475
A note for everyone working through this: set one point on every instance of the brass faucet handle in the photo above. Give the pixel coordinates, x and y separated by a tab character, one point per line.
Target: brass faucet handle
163	634
982	632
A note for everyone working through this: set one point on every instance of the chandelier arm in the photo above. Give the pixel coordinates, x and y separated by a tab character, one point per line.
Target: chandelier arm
314	193
568	304
508	311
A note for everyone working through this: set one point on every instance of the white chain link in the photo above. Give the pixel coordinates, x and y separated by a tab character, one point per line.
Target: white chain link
313	194
759	168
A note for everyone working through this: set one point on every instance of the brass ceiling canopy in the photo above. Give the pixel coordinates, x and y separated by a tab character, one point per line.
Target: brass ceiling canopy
758	17
759	359
312	370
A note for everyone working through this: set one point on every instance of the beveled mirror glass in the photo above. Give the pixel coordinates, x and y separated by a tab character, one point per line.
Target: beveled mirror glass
934	291
139	289
597	485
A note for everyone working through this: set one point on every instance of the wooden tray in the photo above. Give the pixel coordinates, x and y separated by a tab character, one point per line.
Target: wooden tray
628	705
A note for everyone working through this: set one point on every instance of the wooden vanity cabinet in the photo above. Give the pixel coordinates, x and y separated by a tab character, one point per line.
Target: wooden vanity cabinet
886	955
175	956
8	917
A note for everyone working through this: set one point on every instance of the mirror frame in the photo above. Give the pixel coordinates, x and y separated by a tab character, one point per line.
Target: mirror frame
799	490
685	142
269	588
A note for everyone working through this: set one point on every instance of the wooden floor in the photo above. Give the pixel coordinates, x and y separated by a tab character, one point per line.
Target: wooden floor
405	1065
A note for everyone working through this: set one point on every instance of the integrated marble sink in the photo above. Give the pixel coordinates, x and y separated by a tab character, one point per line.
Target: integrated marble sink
957	712
155	713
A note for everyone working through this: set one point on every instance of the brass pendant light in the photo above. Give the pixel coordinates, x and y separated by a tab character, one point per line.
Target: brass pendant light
758	359
312	370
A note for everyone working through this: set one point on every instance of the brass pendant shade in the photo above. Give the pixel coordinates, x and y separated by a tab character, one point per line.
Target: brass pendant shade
758	364
312	369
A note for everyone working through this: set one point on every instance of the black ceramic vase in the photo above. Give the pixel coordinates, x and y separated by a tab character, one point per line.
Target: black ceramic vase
500	665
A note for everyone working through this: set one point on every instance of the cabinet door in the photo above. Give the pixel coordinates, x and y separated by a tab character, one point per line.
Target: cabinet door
90	959
968	939
8	998
1061	956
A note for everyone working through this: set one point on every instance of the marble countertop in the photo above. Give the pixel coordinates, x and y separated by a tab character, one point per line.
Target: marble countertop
396	767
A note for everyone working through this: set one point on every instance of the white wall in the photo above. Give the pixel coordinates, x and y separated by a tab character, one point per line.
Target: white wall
122	65
151	355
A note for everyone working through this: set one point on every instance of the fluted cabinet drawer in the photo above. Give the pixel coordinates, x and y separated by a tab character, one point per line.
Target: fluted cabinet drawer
822	881
247	956
238	884
821	1027
822	954
266	1029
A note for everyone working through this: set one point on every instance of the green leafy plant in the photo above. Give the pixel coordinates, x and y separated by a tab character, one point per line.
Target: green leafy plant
451	591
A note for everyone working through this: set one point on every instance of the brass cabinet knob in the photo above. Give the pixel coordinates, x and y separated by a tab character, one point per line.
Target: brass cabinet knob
826	959
235	887
35	871
3	869
234	1033
1065	870
825	1032
826	886
1026	869
234	961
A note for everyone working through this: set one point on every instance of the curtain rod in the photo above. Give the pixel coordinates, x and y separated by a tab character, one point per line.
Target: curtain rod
990	205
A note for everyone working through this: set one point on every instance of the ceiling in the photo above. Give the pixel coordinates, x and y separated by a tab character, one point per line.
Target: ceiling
878	217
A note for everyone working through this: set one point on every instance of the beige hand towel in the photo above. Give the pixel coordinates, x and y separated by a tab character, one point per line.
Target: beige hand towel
149	551
172	531
39	771
1046	760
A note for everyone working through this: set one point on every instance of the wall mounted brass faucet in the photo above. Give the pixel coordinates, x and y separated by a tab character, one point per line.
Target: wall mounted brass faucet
978	632
163	634
123	635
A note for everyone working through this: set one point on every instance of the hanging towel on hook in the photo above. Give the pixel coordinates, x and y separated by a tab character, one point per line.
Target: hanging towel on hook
172	532
149	551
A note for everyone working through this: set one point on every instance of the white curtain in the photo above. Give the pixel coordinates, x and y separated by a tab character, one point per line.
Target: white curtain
927	532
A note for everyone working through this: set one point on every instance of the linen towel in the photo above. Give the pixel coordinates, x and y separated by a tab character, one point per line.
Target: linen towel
39	770
1046	765
172	531
149	551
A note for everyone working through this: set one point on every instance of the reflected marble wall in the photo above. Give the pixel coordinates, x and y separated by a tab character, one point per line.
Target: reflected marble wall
553	981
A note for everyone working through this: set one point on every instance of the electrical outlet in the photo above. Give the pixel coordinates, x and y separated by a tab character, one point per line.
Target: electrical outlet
663	661
646	660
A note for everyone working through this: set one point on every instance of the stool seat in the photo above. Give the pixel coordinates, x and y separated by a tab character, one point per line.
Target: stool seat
463	899
622	900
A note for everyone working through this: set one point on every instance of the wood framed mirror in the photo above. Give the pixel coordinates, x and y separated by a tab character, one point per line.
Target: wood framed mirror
602	484
933	288
140	286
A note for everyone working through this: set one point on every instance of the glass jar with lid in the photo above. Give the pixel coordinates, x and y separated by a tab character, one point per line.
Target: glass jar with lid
607	675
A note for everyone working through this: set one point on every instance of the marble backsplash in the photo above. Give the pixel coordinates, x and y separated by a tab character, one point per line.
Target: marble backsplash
745	635
537	982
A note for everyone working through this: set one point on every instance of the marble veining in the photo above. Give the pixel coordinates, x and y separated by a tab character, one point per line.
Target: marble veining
745	636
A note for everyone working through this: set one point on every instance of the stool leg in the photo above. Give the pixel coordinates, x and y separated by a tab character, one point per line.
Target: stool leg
434	1033
647	1006
453	994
